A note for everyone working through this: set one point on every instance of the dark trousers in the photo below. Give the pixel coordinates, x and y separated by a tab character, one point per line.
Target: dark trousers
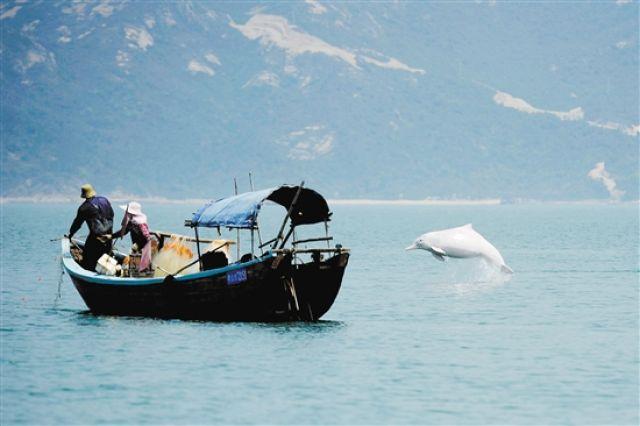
93	250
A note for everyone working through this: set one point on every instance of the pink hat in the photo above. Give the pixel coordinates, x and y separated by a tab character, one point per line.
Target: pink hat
135	210
133	207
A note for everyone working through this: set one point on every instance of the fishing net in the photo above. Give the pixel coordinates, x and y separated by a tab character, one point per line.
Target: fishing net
174	255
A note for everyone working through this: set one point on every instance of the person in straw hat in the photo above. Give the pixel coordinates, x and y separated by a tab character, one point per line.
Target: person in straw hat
96	211
135	223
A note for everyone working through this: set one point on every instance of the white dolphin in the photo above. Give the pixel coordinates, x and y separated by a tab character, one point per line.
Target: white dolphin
461	242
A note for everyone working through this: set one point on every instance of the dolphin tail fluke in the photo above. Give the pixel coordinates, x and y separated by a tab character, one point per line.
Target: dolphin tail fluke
506	269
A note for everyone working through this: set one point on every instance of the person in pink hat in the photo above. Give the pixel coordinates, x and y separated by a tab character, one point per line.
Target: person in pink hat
135	223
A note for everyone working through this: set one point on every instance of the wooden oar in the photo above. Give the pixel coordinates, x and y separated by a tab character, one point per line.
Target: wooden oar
63	237
73	243
113	240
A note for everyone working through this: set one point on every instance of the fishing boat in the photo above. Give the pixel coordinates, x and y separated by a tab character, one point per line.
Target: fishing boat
279	280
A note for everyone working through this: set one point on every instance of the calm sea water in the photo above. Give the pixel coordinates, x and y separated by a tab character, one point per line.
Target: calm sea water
409	340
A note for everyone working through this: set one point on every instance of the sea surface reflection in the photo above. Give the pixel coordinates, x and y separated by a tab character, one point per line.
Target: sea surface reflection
409	340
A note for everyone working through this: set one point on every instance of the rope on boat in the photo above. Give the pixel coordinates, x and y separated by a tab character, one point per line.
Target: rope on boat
310	311
300	315
60	280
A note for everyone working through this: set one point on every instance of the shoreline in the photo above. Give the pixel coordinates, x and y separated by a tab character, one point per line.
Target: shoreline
41	199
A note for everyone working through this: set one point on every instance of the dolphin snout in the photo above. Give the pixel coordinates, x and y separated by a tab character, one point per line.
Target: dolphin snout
412	247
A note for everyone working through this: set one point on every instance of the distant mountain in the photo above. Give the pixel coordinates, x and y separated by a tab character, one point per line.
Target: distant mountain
376	100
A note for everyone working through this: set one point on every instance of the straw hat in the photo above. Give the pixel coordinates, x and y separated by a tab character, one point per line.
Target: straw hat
87	191
133	208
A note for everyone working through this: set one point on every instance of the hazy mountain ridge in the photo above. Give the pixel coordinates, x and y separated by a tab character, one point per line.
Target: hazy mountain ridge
382	101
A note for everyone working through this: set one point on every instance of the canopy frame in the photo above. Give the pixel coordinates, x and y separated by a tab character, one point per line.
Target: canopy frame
304	207
241	211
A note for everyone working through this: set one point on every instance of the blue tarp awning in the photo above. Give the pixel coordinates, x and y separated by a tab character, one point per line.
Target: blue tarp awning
241	211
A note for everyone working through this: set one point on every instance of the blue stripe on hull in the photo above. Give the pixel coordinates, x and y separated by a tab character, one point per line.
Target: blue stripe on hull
75	270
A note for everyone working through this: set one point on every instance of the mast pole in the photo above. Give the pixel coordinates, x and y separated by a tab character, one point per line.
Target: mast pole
326	232
251	187
198	246
259	238
257	225
235	185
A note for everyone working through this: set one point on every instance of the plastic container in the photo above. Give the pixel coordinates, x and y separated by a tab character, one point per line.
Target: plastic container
107	265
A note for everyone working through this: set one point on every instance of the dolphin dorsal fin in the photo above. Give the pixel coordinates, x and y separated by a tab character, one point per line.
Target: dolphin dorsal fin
468	225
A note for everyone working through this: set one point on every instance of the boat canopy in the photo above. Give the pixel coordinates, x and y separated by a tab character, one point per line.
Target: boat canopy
241	211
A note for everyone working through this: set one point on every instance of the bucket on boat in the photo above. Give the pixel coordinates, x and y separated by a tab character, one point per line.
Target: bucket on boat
134	263
107	265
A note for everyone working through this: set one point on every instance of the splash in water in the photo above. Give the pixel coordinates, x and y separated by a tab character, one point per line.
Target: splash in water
473	276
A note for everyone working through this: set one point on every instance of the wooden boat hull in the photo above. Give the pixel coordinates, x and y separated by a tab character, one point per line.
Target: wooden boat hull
317	284
265	289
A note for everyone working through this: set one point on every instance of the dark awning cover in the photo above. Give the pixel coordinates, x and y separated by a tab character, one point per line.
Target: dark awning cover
241	211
